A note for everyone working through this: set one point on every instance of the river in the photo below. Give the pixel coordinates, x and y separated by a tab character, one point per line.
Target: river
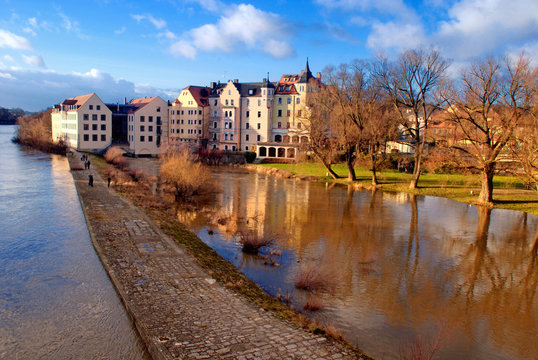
408	274
56	300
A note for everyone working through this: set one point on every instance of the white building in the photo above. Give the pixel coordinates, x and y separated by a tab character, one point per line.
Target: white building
83	122
147	126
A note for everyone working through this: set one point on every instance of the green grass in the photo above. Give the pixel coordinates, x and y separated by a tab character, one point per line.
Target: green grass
508	191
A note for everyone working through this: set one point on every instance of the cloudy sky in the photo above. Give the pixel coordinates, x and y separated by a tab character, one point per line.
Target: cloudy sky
51	50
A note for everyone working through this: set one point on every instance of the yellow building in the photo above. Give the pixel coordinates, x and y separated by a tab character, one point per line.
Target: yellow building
189	118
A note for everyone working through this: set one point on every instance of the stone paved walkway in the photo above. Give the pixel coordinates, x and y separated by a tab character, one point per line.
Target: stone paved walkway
178	309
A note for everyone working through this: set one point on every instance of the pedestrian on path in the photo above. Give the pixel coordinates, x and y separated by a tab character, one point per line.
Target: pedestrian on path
90	180
89	163
109	179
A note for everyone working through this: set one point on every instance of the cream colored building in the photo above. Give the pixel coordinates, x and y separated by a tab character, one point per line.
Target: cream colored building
240	115
189	118
147	126
84	122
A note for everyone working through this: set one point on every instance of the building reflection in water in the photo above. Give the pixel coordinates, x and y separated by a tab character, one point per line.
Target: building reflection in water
405	268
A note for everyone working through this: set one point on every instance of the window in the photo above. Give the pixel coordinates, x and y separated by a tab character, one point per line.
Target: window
150	118
91	107
172	112
247	137
182	112
199	132
259	102
215	102
103	137
279	124
226	102
297	100
182	131
232	102
214	124
247	126
279	113
86	127
251	91
247	113
142	119
103	117
158	120
258	138
103	127
142	139
215	114
150	128
94	126
279	101
94	116
86	117
248	102
288	113
299	112
231	136
142	128
150	138
181	121
299	125
98	107
159	109
289	100
226	137
259	126
199	122
259	114
86	137
94	137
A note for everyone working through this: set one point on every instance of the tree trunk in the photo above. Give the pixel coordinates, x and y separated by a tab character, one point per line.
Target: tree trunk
350	160
329	170
486	178
416	170
374	171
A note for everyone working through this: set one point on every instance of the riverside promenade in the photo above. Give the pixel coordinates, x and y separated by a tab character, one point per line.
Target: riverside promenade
179	311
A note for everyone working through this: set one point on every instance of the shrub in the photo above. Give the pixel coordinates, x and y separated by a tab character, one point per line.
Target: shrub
311	278
313	304
252	242
250	156
185	177
114	155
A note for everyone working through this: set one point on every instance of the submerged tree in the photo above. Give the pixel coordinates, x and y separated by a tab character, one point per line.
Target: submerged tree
412	84
492	100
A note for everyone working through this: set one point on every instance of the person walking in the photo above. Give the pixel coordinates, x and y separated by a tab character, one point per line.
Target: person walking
90	180
109	179
89	163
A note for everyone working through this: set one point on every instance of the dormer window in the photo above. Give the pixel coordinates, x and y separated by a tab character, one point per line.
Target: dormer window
251	91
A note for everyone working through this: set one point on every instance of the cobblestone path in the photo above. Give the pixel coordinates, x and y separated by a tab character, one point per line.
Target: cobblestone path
178	309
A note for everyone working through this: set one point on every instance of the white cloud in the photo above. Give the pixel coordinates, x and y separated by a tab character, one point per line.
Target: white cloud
168	34
241	27
36	90
120	31
211	5
6	76
398	36
34	60
8	58
29	30
392	7
10	40
158	23
477	27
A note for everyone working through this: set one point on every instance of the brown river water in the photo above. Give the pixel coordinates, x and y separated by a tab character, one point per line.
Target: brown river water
407	273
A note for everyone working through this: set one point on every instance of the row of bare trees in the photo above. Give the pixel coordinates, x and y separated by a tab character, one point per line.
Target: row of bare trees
365	104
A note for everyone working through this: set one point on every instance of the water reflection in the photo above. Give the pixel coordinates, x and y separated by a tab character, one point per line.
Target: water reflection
407	269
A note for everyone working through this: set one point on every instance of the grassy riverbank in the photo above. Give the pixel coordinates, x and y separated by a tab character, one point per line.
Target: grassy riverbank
161	211
509	192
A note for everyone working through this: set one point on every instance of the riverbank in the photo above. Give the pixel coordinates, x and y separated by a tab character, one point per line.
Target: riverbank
509	192
187	308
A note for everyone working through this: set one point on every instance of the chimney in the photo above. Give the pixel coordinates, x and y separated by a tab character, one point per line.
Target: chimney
318	75
236	81
212	85
125	101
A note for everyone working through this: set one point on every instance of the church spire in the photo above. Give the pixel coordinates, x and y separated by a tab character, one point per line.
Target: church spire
306	74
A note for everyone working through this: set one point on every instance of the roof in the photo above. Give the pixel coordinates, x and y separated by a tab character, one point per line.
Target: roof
200	94
141	102
77	100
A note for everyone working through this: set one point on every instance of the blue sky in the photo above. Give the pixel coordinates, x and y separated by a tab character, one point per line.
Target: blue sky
51	50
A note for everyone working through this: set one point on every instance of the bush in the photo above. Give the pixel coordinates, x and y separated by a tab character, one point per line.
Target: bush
185	177
311	278
114	155
252	242
250	156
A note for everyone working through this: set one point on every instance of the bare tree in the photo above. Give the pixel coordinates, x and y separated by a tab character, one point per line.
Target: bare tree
492	100
316	117
412	83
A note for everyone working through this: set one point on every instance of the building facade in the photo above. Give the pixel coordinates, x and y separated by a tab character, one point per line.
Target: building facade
83	122
147	126
189	118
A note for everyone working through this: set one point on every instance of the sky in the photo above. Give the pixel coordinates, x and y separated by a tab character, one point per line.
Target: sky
53	50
